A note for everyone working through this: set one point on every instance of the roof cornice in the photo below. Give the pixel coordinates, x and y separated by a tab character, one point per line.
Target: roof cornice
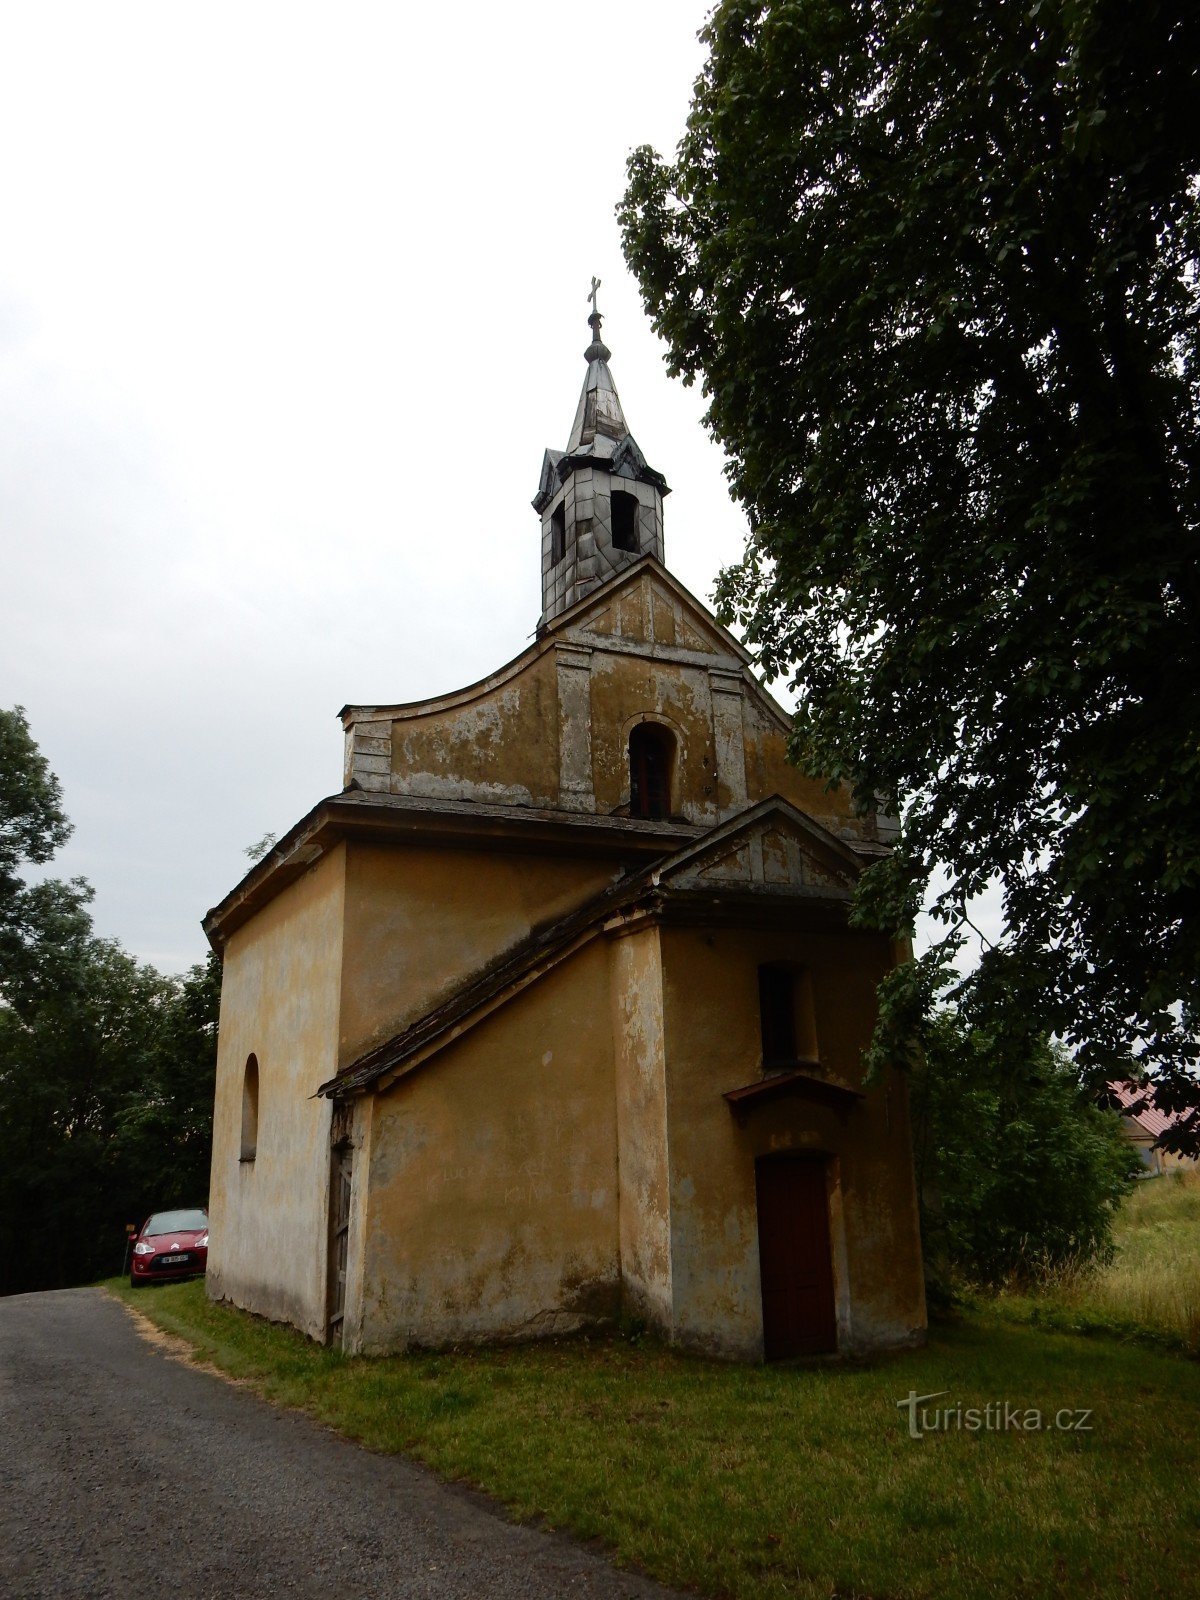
413	820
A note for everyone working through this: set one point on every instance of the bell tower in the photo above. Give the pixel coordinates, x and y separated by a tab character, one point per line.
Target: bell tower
601	506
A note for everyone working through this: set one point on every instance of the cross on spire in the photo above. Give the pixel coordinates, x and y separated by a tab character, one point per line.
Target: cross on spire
597	350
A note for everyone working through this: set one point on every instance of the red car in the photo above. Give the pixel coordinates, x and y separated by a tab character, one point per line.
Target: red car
171	1244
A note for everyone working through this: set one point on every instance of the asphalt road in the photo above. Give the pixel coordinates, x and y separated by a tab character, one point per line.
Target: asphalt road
125	1473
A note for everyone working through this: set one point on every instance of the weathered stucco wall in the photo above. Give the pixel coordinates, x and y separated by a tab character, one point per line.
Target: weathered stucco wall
643	1172
627	688
493	1176
279	1001
647	612
649	653
713	1044
498	746
769	772
420	921
573	1155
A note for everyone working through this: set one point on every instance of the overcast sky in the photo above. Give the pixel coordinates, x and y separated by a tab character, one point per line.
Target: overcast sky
292	298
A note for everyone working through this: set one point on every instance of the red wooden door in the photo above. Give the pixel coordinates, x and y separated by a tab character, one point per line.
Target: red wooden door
795	1257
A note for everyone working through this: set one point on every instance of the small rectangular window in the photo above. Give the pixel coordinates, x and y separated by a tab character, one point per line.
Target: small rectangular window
558	534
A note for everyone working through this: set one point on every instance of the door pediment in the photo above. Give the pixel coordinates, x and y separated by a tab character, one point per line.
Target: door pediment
771	846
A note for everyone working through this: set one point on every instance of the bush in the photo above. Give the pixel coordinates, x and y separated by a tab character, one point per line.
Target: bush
1019	1173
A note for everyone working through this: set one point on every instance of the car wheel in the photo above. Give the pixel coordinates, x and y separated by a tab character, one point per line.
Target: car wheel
134	1283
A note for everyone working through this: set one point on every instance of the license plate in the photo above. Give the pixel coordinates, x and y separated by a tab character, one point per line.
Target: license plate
169	1261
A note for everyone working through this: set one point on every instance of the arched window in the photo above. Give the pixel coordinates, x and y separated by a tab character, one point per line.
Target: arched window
250	1109
651	758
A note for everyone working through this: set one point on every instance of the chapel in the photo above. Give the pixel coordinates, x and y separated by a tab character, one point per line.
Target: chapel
553	1016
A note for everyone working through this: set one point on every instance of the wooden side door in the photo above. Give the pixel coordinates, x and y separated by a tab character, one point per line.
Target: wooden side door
799	1316
341	1181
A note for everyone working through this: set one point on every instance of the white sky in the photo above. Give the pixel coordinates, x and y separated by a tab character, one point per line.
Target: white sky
292	298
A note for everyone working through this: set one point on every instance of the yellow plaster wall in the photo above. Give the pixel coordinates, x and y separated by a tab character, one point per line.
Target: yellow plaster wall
501	746
644	1221
419	921
493	1176
1155	1160
626	688
279	1001
713	1044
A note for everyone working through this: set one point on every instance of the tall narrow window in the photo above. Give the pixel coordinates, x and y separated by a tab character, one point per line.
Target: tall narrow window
250	1109
777	1016
651	758
625	521
558	534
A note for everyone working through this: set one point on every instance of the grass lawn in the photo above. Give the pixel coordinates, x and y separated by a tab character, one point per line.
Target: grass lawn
783	1480
1151	1290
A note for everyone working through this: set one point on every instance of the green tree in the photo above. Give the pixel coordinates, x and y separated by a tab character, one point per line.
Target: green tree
106	1066
1018	1170
164	1126
937	270
33	827
32	823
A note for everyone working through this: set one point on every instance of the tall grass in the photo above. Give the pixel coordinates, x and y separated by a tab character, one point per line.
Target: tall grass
1151	1288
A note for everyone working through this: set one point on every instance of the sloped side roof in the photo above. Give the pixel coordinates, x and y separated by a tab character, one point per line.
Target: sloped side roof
536	955
499	980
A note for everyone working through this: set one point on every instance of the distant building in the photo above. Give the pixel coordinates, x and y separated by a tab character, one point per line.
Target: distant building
1144	1124
554	1013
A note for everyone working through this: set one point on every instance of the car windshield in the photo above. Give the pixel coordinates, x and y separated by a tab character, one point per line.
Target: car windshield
176	1222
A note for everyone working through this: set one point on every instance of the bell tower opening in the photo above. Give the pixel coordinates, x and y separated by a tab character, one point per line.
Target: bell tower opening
625	521
651	767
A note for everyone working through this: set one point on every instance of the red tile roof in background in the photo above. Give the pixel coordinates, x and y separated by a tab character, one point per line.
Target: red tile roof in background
1147	1116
